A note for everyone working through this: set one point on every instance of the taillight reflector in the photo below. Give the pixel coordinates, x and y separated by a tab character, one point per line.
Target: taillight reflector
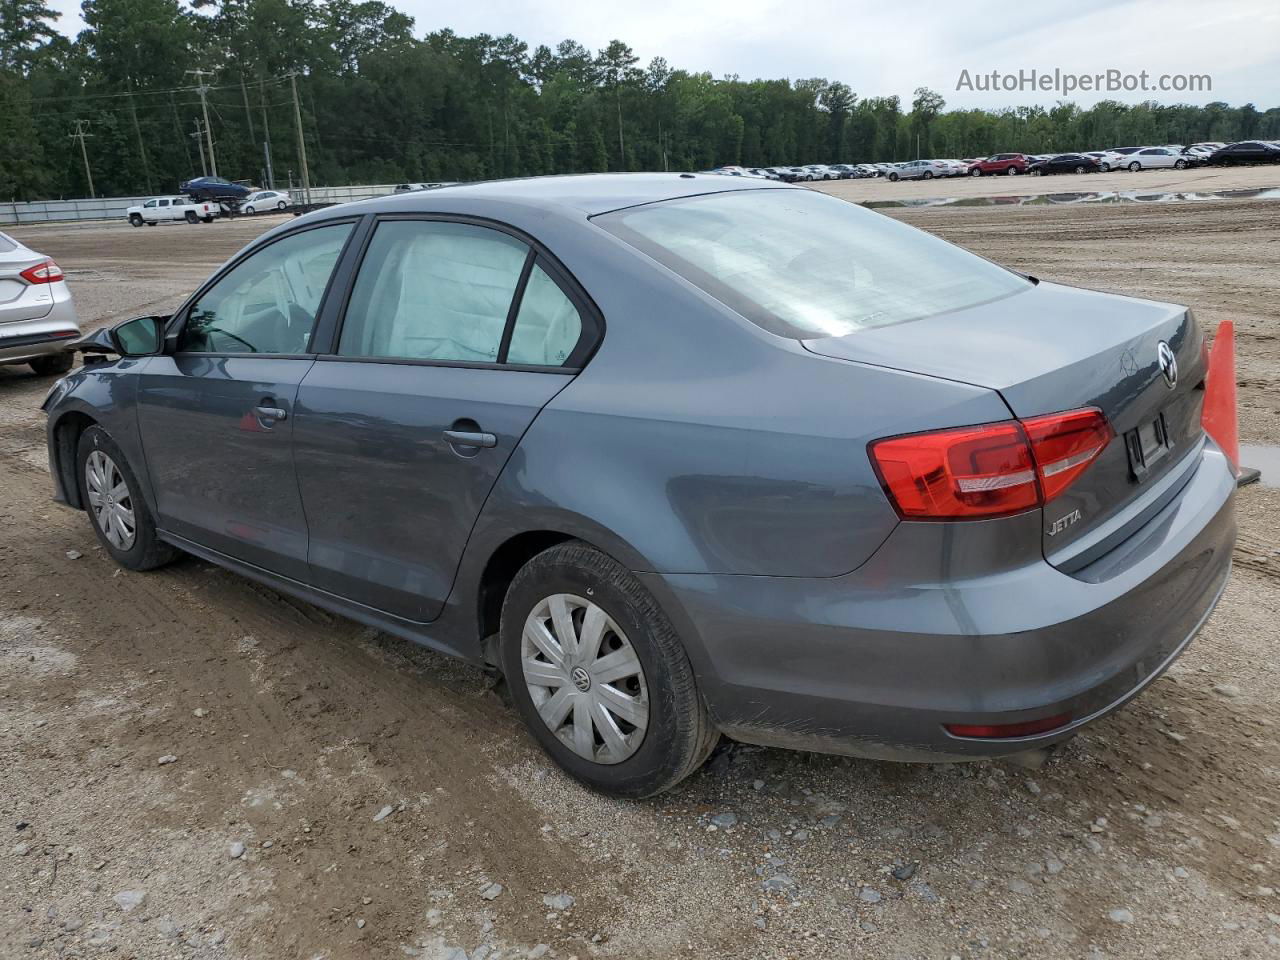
989	470
998	731
46	272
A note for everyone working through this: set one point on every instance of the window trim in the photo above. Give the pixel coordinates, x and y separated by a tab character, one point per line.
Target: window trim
178	321
593	325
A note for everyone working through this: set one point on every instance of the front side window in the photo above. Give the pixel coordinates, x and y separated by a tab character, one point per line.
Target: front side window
433	290
803	265
151	203
268	302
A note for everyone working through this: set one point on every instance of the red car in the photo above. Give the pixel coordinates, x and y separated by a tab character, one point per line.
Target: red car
1007	163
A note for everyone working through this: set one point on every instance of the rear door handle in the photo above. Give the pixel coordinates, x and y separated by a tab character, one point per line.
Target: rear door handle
272	413
465	438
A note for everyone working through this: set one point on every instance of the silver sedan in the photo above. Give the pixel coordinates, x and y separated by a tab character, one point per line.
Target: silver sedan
37	316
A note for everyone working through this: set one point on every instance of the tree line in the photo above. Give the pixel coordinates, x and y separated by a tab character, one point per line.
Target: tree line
379	105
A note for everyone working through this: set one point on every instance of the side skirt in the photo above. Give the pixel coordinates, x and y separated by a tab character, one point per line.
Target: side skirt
407	629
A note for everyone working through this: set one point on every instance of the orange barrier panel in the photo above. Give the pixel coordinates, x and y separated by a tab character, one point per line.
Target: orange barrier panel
1219	417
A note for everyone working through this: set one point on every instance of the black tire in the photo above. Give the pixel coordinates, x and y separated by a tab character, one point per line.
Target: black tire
1180	164
1106	168
1036	172
679	734
147	551
1135	167
208	219
1080	169
893	178
52	363
928	175
136	219
191	217
281	205
975	172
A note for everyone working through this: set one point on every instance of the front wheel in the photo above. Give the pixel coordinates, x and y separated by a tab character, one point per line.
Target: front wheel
111	496
599	676
1080	169
893	178
135	219
281	205
1011	172
1180	164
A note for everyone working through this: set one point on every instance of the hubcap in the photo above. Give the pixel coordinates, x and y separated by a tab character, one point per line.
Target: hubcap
110	500
585	678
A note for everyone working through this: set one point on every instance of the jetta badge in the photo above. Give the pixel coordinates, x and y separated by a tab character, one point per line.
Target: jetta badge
1168	364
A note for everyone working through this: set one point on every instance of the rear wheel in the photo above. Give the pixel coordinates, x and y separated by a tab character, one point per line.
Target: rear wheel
111	496
1106	168
1180	164
281	205
191	217
1079	168
52	363
893	178
599	676
928	174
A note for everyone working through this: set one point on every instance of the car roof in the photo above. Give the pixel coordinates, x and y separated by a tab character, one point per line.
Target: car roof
587	194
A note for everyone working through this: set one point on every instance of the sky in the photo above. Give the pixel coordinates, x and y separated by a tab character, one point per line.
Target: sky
885	48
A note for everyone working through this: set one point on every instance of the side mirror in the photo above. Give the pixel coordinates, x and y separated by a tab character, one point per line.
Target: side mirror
138	337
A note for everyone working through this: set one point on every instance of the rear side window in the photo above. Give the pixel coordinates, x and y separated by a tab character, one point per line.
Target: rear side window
548	325
804	265
433	290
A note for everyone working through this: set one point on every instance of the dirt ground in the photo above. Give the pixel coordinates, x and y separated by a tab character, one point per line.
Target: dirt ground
379	791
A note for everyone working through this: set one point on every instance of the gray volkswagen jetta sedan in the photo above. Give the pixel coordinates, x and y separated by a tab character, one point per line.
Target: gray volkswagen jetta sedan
680	456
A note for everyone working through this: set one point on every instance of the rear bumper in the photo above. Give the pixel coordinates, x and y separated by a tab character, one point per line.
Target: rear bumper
870	665
23	340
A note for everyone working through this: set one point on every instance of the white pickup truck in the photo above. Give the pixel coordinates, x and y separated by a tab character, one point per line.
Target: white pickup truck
158	209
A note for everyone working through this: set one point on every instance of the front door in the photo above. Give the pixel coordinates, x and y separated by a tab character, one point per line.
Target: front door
216	414
455	337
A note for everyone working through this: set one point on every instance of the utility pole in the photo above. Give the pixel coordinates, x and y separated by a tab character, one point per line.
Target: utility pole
266	134
81	127
198	136
137	129
204	106
302	145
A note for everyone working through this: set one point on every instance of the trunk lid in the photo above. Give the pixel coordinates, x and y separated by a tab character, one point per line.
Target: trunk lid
20	300
1055	348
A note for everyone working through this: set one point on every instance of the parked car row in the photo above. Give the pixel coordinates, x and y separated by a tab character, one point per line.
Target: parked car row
1169	156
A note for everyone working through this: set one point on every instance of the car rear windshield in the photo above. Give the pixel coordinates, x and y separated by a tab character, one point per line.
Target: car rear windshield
7	245
804	265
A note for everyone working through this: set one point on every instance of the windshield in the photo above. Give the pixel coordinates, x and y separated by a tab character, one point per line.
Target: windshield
802	264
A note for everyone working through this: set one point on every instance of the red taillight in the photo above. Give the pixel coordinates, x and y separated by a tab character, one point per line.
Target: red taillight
1064	445
997	731
989	470
46	272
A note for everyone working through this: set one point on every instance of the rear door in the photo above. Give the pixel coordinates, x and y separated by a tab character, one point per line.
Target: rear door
455	336
216	413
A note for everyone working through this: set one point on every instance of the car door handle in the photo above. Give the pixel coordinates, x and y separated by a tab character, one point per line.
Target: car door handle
272	413
465	438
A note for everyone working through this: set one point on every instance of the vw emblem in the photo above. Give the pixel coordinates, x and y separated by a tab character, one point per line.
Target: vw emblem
581	679
1168	364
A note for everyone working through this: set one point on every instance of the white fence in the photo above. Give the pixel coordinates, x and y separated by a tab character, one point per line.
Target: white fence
113	208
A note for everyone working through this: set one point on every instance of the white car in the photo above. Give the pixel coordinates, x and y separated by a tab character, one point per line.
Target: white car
265	200
160	209
821	171
918	170
954	168
1155	158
